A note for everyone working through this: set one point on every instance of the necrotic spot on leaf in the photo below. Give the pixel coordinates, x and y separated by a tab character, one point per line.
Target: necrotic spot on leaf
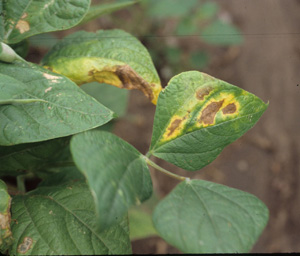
229	109
173	126
22	26
125	77
26	245
208	114
203	92
131	80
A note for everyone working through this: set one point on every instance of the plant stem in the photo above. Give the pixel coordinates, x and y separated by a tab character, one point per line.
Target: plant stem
21	183
159	168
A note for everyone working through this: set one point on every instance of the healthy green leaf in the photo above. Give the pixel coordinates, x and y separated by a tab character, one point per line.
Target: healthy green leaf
58	218
113	57
197	116
31	157
221	33
204	217
117	174
24	18
6	238
37	105
110	96
96	11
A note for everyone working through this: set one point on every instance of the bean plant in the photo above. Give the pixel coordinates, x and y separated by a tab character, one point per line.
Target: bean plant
90	178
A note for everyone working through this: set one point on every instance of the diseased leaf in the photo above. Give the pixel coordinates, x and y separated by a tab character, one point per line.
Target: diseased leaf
24	18
117	174
32	157
58	218
113	57
37	105
6	238
197	116
204	217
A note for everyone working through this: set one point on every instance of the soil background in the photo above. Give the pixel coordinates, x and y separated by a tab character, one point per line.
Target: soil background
265	161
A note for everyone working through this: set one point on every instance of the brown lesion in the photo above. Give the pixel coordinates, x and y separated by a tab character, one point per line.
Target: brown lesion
174	126
229	109
25	245
124	77
209	113
203	92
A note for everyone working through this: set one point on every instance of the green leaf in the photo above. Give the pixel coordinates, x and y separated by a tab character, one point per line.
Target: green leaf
113	57
117	174
58	218
186	26
197	116
37	105
222	34
6	238
1	23
24	18
31	157
199	59
204	217
96	11
110	96
170	8
140	223
207	11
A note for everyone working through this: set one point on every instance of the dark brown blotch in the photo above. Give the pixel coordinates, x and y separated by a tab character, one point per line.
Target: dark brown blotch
173	126
203	92
132	80
209	113
229	109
